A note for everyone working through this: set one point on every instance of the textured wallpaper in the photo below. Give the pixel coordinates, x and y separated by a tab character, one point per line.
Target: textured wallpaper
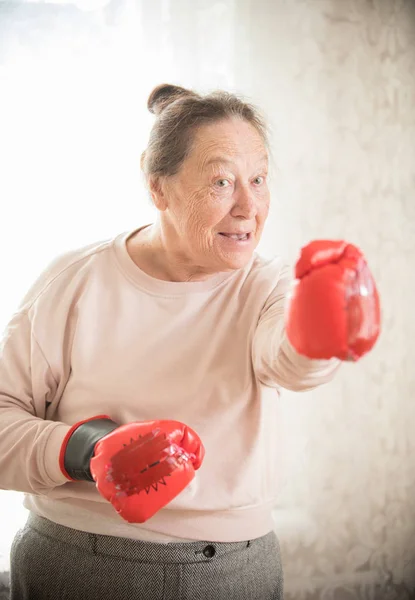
337	81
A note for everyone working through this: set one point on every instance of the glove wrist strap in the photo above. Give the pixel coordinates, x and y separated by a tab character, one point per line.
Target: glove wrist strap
79	445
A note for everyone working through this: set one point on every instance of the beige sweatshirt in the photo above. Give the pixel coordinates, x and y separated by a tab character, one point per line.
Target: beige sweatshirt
96	335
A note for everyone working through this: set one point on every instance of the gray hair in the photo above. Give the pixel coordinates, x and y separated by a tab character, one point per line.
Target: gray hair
180	112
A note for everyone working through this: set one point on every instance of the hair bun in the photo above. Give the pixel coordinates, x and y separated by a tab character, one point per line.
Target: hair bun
163	95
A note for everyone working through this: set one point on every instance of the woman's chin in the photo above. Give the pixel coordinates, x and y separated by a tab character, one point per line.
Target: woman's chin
231	256
235	261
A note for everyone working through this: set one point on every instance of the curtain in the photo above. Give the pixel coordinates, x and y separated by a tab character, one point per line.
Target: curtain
336	81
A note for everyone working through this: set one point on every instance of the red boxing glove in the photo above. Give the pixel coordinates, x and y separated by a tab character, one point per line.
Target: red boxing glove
141	467
334	307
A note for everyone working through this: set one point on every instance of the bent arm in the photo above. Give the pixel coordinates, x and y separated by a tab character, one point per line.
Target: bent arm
29	444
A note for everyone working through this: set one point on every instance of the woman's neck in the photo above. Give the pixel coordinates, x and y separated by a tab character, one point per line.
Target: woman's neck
156	254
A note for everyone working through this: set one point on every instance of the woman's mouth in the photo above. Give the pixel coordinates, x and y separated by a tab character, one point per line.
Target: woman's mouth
238	237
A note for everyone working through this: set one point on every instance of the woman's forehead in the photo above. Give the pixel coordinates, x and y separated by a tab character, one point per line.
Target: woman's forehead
225	141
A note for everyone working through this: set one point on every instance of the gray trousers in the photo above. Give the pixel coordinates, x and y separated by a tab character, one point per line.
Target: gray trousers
52	562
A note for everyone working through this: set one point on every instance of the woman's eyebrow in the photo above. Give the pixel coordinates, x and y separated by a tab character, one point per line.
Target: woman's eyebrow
226	160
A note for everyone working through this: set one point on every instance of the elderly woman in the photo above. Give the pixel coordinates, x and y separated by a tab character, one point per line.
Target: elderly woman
139	379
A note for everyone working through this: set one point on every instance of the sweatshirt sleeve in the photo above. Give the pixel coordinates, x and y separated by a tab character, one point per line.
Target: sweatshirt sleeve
29	444
29	391
275	361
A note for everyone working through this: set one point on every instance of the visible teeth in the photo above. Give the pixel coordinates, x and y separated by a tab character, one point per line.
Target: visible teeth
237	236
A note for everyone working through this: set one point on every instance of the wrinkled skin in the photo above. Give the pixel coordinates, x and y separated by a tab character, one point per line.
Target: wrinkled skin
221	188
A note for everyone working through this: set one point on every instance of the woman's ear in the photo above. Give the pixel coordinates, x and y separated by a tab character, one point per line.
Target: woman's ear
157	192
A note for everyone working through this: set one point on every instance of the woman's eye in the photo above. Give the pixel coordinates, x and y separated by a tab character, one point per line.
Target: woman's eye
259	180
223	183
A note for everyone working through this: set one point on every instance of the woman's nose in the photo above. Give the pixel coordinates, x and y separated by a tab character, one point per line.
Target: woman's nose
245	204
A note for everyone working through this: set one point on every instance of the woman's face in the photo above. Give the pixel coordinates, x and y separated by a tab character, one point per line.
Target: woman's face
216	205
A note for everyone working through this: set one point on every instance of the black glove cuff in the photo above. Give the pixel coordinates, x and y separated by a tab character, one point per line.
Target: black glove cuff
81	445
